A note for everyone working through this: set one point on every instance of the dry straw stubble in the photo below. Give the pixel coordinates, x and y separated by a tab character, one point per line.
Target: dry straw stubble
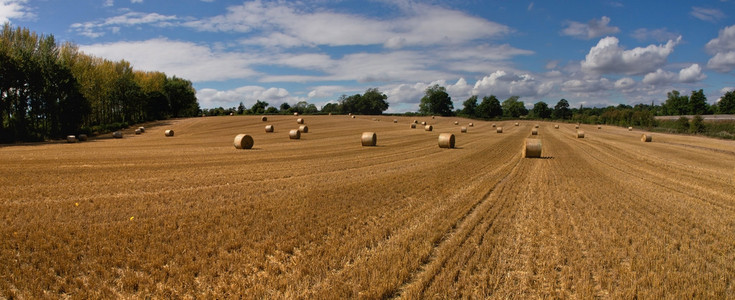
244	141
446	140
369	139
531	148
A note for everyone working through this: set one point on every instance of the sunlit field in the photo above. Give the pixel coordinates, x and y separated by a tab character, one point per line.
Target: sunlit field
322	217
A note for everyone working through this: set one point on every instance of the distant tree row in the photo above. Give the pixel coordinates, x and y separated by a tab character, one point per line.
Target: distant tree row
49	90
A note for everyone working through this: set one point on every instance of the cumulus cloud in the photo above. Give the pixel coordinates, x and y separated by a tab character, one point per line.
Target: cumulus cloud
723	48
503	84
689	74
583	86
707	14
246	94
97	28
108	3
184	59
692	73
624	84
594	28
14	9
608	57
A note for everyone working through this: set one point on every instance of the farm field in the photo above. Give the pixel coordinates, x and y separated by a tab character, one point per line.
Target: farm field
190	216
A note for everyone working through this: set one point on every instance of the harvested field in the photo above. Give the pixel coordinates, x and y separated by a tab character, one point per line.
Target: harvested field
323	217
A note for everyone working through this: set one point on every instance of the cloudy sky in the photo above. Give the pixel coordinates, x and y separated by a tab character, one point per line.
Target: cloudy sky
591	53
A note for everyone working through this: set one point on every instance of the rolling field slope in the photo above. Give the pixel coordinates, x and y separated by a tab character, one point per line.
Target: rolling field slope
606	216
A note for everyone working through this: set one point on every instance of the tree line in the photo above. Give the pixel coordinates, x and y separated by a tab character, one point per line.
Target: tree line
49	90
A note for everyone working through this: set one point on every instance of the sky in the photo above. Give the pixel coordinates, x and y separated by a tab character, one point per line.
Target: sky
592	53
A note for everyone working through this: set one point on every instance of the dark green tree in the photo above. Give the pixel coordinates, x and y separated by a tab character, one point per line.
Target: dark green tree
470	106
697	124
682	124
561	110
436	101
514	108
676	104
259	107
541	110
489	107
726	105
241	108
698	103
285	108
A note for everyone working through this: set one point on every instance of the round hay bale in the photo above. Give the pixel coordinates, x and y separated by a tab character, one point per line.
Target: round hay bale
456	123
231	114
576	126
446	140
463	129
82	137
353	117
517	124
499	129
471	124
432	117
395	120
142	129
646	138
535	126
299	121
494	125
296	114
599	127
532	148
556	126
269	128
71	139
264	119
580	134
534	131
349	114
630	128
428	128
304	129
423	123
415	121
369	139
413	125
169	132
244	141
117	134
294	134
137	131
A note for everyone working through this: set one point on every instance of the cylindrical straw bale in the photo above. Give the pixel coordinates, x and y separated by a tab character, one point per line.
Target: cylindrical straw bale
428	128
471	124
304	129
494	125
556	126
299	121
232	114
415	121
269	128
294	134
423	123
71	139
630	128
532	148
517	124
244	141
456	123
353	117
446	140
499	129
142	129
395	120
534	131
296	114
117	134
599	127
413	125
535	126
169	132
432	117
349	114
463	129
137	131
646	138
82	137
369	139
264	119
576	126
580	134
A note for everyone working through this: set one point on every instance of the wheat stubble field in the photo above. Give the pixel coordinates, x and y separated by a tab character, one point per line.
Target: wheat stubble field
190	216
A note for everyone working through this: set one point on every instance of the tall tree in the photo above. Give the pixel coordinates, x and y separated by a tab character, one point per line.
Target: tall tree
561	110
698	103
676	104
259	107
470	106
489	107
514	108
541	110
726	105
436	101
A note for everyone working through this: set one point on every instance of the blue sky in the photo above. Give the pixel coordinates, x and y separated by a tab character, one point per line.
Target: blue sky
592	53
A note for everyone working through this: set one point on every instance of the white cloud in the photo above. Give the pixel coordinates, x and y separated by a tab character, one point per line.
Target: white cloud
689	74
723	48
608	57
692	73
246	94
707	14
658	35
624	84
14	9
594	28
503	85
184	59
136	1
660	77
97	28
108	3
582	86
283	22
